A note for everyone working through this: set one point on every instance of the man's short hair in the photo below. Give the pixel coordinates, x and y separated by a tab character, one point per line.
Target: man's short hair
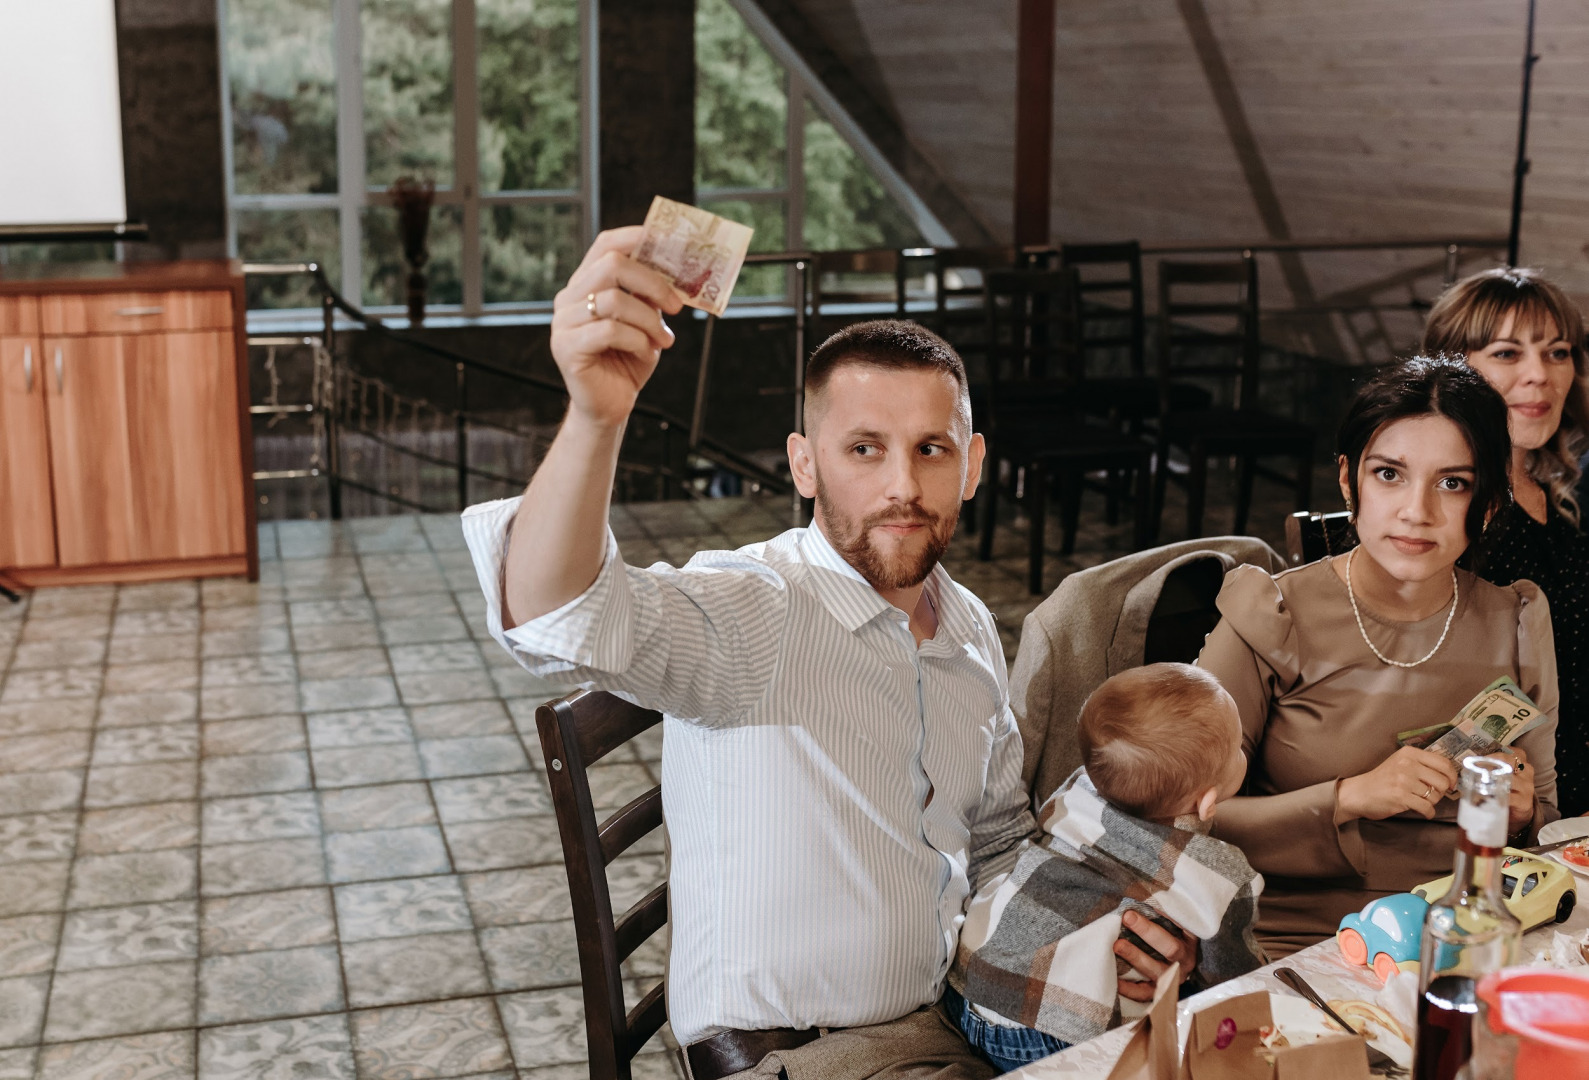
896	344
1153	737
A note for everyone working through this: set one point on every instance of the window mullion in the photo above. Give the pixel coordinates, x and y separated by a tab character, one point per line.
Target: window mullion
350	144
795	170
228	151
589	124
466	146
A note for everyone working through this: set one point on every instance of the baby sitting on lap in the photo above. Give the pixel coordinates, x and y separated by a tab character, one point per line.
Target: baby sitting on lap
1036	969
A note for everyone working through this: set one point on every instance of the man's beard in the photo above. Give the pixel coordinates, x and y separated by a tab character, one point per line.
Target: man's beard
901	571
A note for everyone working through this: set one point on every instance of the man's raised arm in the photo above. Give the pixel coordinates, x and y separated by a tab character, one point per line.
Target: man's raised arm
607	336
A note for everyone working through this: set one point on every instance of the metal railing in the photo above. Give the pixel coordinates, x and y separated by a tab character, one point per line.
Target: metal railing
325	407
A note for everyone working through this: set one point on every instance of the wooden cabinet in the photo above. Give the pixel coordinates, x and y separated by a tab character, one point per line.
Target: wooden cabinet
123	454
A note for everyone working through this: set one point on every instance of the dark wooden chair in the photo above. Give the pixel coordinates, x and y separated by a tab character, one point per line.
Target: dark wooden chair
1031	419
576	732
871	277
1244	431
1310	536
960	299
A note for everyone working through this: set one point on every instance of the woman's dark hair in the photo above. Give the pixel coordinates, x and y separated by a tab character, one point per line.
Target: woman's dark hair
1437	386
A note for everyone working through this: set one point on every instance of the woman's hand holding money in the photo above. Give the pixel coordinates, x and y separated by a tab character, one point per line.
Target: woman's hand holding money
1520	811
607	328
1410	779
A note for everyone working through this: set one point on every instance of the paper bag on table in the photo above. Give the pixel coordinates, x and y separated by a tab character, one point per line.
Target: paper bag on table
1226	1043
1154	1047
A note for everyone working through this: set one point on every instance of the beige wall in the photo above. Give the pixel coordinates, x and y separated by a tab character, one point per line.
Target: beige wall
1341	119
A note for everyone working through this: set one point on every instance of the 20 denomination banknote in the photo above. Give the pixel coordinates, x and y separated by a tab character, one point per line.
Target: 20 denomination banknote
698	251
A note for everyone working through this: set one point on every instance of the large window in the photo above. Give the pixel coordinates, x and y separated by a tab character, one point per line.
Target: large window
331	101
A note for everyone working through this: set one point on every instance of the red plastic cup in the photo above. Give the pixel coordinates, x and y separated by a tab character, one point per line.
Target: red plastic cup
1547	1011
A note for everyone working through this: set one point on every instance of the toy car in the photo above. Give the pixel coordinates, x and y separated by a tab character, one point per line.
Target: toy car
1385	934
1537	890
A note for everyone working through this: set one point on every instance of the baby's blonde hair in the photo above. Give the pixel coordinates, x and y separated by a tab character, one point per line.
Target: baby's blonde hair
1154	736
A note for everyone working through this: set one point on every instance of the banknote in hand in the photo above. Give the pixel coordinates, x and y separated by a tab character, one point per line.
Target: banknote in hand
698	251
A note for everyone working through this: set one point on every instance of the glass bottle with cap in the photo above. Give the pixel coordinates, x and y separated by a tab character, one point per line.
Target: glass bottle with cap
1468	932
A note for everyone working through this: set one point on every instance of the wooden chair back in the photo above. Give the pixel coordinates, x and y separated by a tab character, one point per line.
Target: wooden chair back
1183	296
1311	535
1120	281
1033	329
576	732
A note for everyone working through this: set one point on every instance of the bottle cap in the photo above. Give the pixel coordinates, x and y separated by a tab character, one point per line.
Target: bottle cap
1486	792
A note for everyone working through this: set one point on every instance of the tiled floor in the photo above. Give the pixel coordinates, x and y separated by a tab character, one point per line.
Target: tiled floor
299	829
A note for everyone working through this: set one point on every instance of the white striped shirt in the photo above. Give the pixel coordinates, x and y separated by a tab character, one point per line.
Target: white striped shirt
804	729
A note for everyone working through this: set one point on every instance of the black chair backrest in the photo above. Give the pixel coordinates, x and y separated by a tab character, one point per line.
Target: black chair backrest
1121	281
1240	278
1185	613
1032	329
1311	535
873	275
576	732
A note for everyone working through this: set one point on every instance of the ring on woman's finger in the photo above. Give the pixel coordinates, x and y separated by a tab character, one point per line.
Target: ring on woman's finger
590	306
1426	791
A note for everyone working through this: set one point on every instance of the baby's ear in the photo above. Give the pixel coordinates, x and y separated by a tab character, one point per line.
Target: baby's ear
1206	802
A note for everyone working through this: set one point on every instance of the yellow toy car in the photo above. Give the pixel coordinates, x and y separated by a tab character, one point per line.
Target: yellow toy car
1537	891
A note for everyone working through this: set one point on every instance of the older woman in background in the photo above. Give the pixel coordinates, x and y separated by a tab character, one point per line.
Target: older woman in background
1526	338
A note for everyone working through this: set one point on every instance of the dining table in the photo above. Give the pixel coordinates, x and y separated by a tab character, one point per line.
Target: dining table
1322	965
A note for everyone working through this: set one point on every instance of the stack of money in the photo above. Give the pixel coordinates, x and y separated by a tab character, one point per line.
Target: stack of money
698	251
1494	719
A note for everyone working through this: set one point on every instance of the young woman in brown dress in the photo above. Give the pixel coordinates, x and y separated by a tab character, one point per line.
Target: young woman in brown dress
1328	662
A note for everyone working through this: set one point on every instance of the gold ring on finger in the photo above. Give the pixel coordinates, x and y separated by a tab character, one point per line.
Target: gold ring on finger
1427	790
590	306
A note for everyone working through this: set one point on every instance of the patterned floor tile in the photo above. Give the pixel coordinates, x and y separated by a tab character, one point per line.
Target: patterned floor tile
157	596
27	944
250	670
386	853
435	687
327	612
33	887
358	727
50	684
250	642
262	922
343	664
152	648
45	752
513	681
486	798
421	605
22	1009
472	757
311	539
261	817
135	877
229	869
545	1027
386	806
436	656
67	652
360	765
398	971
18	1064
505	897
612	786
219	593
125	785
236	702
531	955
137	934
25	793
65	628
75	600
160	707
259	735
149	827
243	617
631	877
318	571
264	985
120	1001
401	908
497	845
34	837
306	1048
460	719
167	621
148	678
252	774
363	692
323	638
162	1055
39	717
424	629
156	742
438	1039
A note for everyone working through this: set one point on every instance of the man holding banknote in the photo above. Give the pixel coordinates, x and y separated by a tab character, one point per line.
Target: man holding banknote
842	763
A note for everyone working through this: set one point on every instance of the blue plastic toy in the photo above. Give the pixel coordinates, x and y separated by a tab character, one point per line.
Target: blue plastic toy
1385	934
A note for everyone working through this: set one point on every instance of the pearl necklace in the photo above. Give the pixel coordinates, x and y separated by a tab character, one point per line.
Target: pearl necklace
1362	630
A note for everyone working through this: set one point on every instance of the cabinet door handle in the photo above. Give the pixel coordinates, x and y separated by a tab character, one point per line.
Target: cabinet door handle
128	312
60	374
27	368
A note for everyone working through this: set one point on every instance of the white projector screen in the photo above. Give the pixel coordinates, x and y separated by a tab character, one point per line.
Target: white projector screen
60	114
